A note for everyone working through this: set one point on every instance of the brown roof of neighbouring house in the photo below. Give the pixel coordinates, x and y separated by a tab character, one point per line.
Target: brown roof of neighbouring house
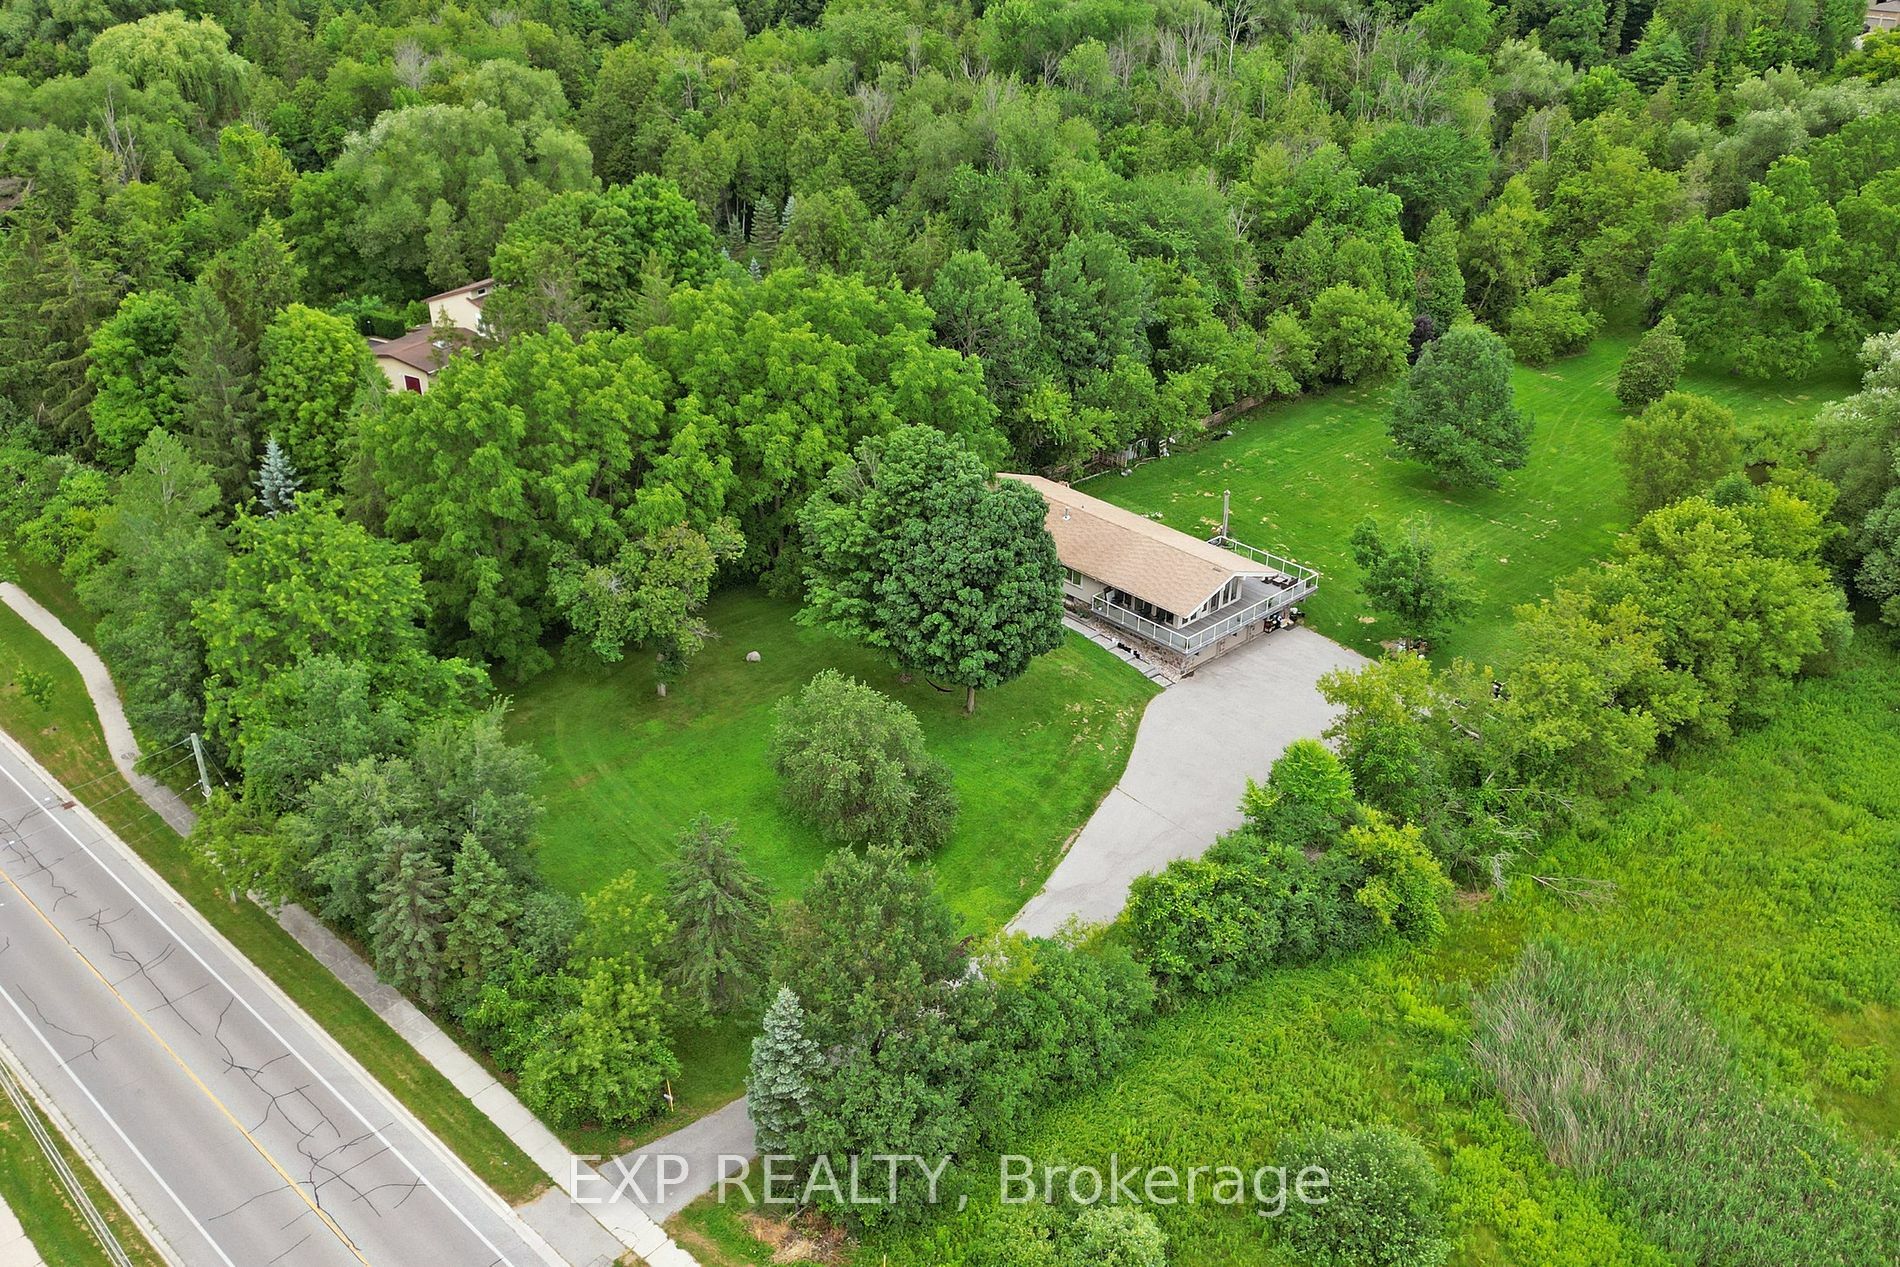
485	284
1134	554
418	349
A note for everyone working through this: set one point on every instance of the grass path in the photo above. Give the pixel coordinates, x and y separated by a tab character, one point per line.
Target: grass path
1304	474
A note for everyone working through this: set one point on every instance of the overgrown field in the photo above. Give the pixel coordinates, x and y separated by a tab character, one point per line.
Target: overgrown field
1303	474
627	771
1767	872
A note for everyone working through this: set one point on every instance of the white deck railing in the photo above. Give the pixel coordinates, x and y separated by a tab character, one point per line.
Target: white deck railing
1299	572
1188	643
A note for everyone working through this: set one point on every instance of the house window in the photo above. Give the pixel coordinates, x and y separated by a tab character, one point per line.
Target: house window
410	383
1074	577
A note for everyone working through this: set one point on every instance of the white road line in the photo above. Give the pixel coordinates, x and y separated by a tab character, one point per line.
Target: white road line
500	1256
114	1124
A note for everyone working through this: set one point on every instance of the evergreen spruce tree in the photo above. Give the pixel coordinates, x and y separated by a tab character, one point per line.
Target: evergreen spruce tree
277	482
482	912
217	392
784	1061
765	231
405	926
719	909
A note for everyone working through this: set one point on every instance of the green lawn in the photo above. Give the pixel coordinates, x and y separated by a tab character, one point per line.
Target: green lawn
1303	474
65	738
626	771
1767	871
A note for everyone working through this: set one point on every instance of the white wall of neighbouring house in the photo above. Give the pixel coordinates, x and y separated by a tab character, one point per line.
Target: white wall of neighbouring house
464	311
402	377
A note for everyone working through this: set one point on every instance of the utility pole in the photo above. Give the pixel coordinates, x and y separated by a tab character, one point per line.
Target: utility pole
198	751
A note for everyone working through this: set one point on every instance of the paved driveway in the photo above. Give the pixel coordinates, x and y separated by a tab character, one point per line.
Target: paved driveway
1199	743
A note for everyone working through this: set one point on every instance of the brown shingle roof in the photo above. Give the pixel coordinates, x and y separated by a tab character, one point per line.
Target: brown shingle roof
1136	555
418	349
485	284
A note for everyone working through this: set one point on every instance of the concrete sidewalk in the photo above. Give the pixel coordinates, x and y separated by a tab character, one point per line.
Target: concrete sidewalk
1199	743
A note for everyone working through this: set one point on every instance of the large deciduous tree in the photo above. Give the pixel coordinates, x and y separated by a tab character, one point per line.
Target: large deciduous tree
506	463
915	549
1749	287
649	592
309	583
315	376
433	186
133	369
1456	412
1680	445
983	312
588	251
1357	333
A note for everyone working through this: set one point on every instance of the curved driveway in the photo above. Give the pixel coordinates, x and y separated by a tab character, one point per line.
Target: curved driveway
1199	743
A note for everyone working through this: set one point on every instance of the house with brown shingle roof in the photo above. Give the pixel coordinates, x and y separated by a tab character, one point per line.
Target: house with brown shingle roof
1175	591
411	360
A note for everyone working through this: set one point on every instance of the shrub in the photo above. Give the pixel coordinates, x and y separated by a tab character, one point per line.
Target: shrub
1651	369
1405	887
1382	1206
1205	926
1306	799
853	765
1061	1018
1680	445
1114	1236
1551	322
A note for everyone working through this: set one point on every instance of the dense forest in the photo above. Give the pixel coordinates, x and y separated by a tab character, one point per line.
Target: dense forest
741	253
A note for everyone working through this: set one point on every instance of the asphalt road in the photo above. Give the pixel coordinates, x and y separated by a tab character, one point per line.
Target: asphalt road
232	1125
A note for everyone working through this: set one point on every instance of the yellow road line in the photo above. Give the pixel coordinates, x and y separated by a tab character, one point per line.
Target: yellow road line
188	1071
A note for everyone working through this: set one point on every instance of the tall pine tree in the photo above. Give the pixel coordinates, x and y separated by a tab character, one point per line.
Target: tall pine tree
719	909
405	927
482	911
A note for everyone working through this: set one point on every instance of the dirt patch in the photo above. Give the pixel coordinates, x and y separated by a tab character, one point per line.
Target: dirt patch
804	1238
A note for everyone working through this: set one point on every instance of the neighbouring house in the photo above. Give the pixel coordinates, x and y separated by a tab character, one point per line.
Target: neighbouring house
461	307
1194	598
411	360
1884	16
